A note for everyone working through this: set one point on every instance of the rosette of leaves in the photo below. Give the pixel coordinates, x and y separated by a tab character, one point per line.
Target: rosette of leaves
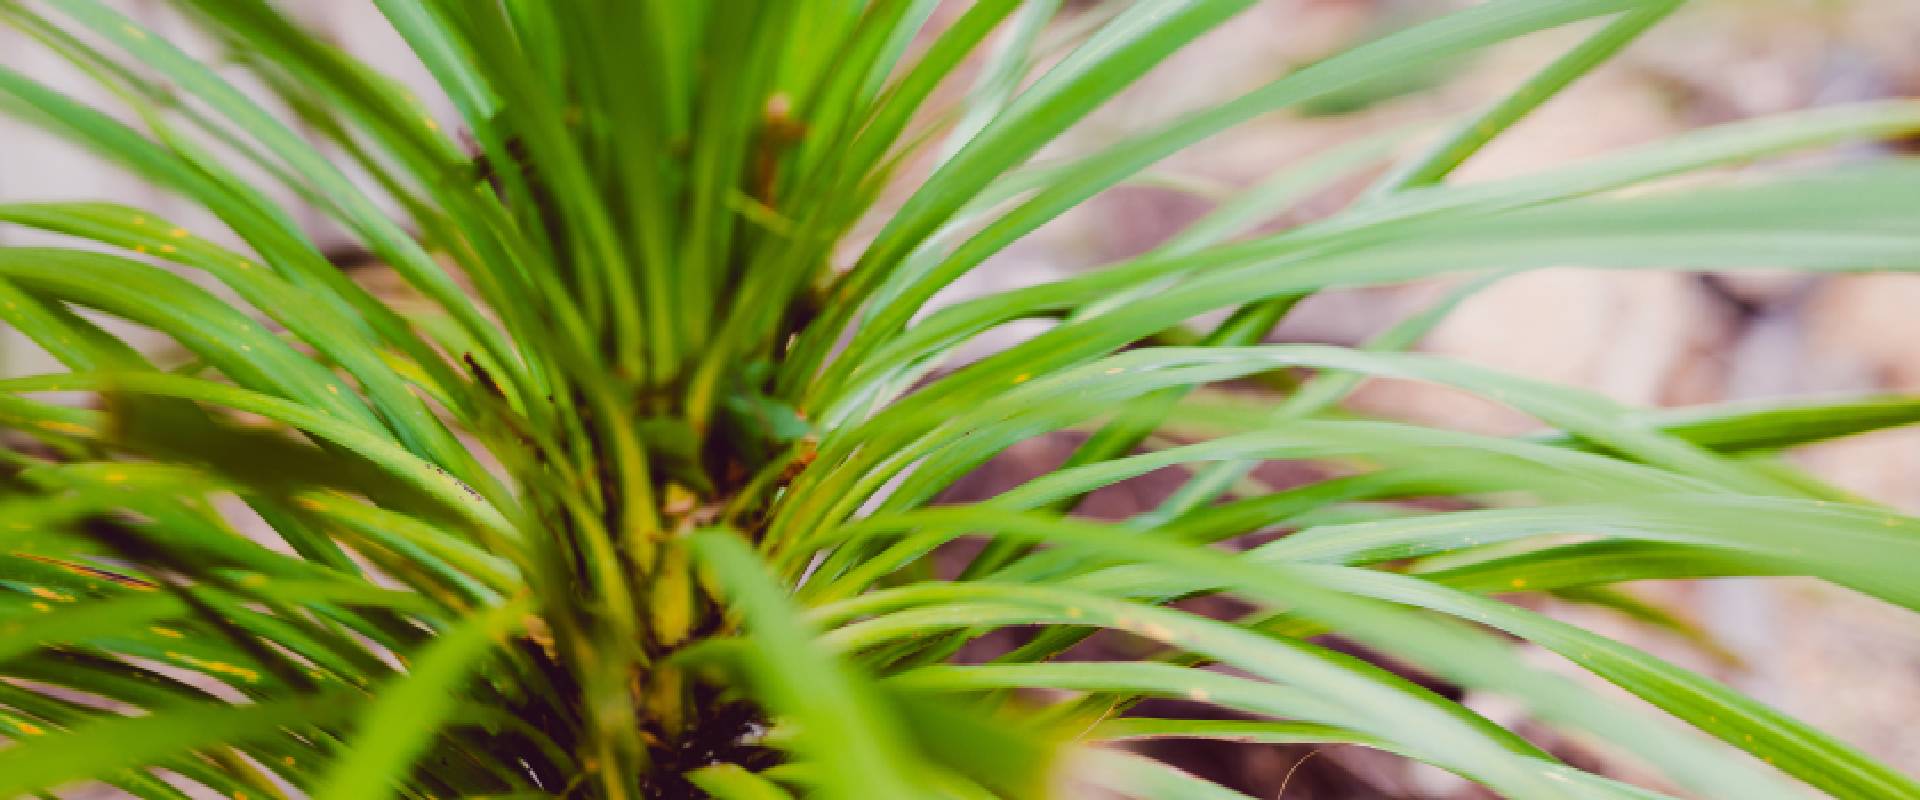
633	494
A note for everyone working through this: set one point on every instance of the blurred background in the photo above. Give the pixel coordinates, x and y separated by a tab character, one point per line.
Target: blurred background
1838	660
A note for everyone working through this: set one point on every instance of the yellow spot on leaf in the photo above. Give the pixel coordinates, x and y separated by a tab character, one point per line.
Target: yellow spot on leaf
253	580
41	607
178	233
167	632
134	32
29	728
216	667
116	477
139	219
1022	378
1519	583
140	248
45	593
61	426
167	248
1116	371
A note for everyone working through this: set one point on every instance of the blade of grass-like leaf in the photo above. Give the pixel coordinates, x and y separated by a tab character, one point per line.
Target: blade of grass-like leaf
474	564
1446	156
1653	616
976	745
74	342
176	544
1121	51
867	158
1066	397
1137	776
39	714
1596	563
1257	204
1856	547
358	212
1773	426
160	485
1460	32
843	729
646	113
731	782
1141	677
295	759
79	623
451	65
1582	784
376	121
604	285
343	101
135	686
1697	229
104	745
79	344
1438	163
1421	462
1777	739
401	464
1250	731
1248	325
1691	151
146	97
894	110
247	212
380	105
1005	67
237	345
841	164
1760	427
177	640
1323	391
1126	48
404	717
1459	654
1580	566
1719	145
316	323
1304	676
1232	216
267	468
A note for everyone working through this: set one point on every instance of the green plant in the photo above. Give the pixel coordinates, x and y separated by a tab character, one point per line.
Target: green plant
636	497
